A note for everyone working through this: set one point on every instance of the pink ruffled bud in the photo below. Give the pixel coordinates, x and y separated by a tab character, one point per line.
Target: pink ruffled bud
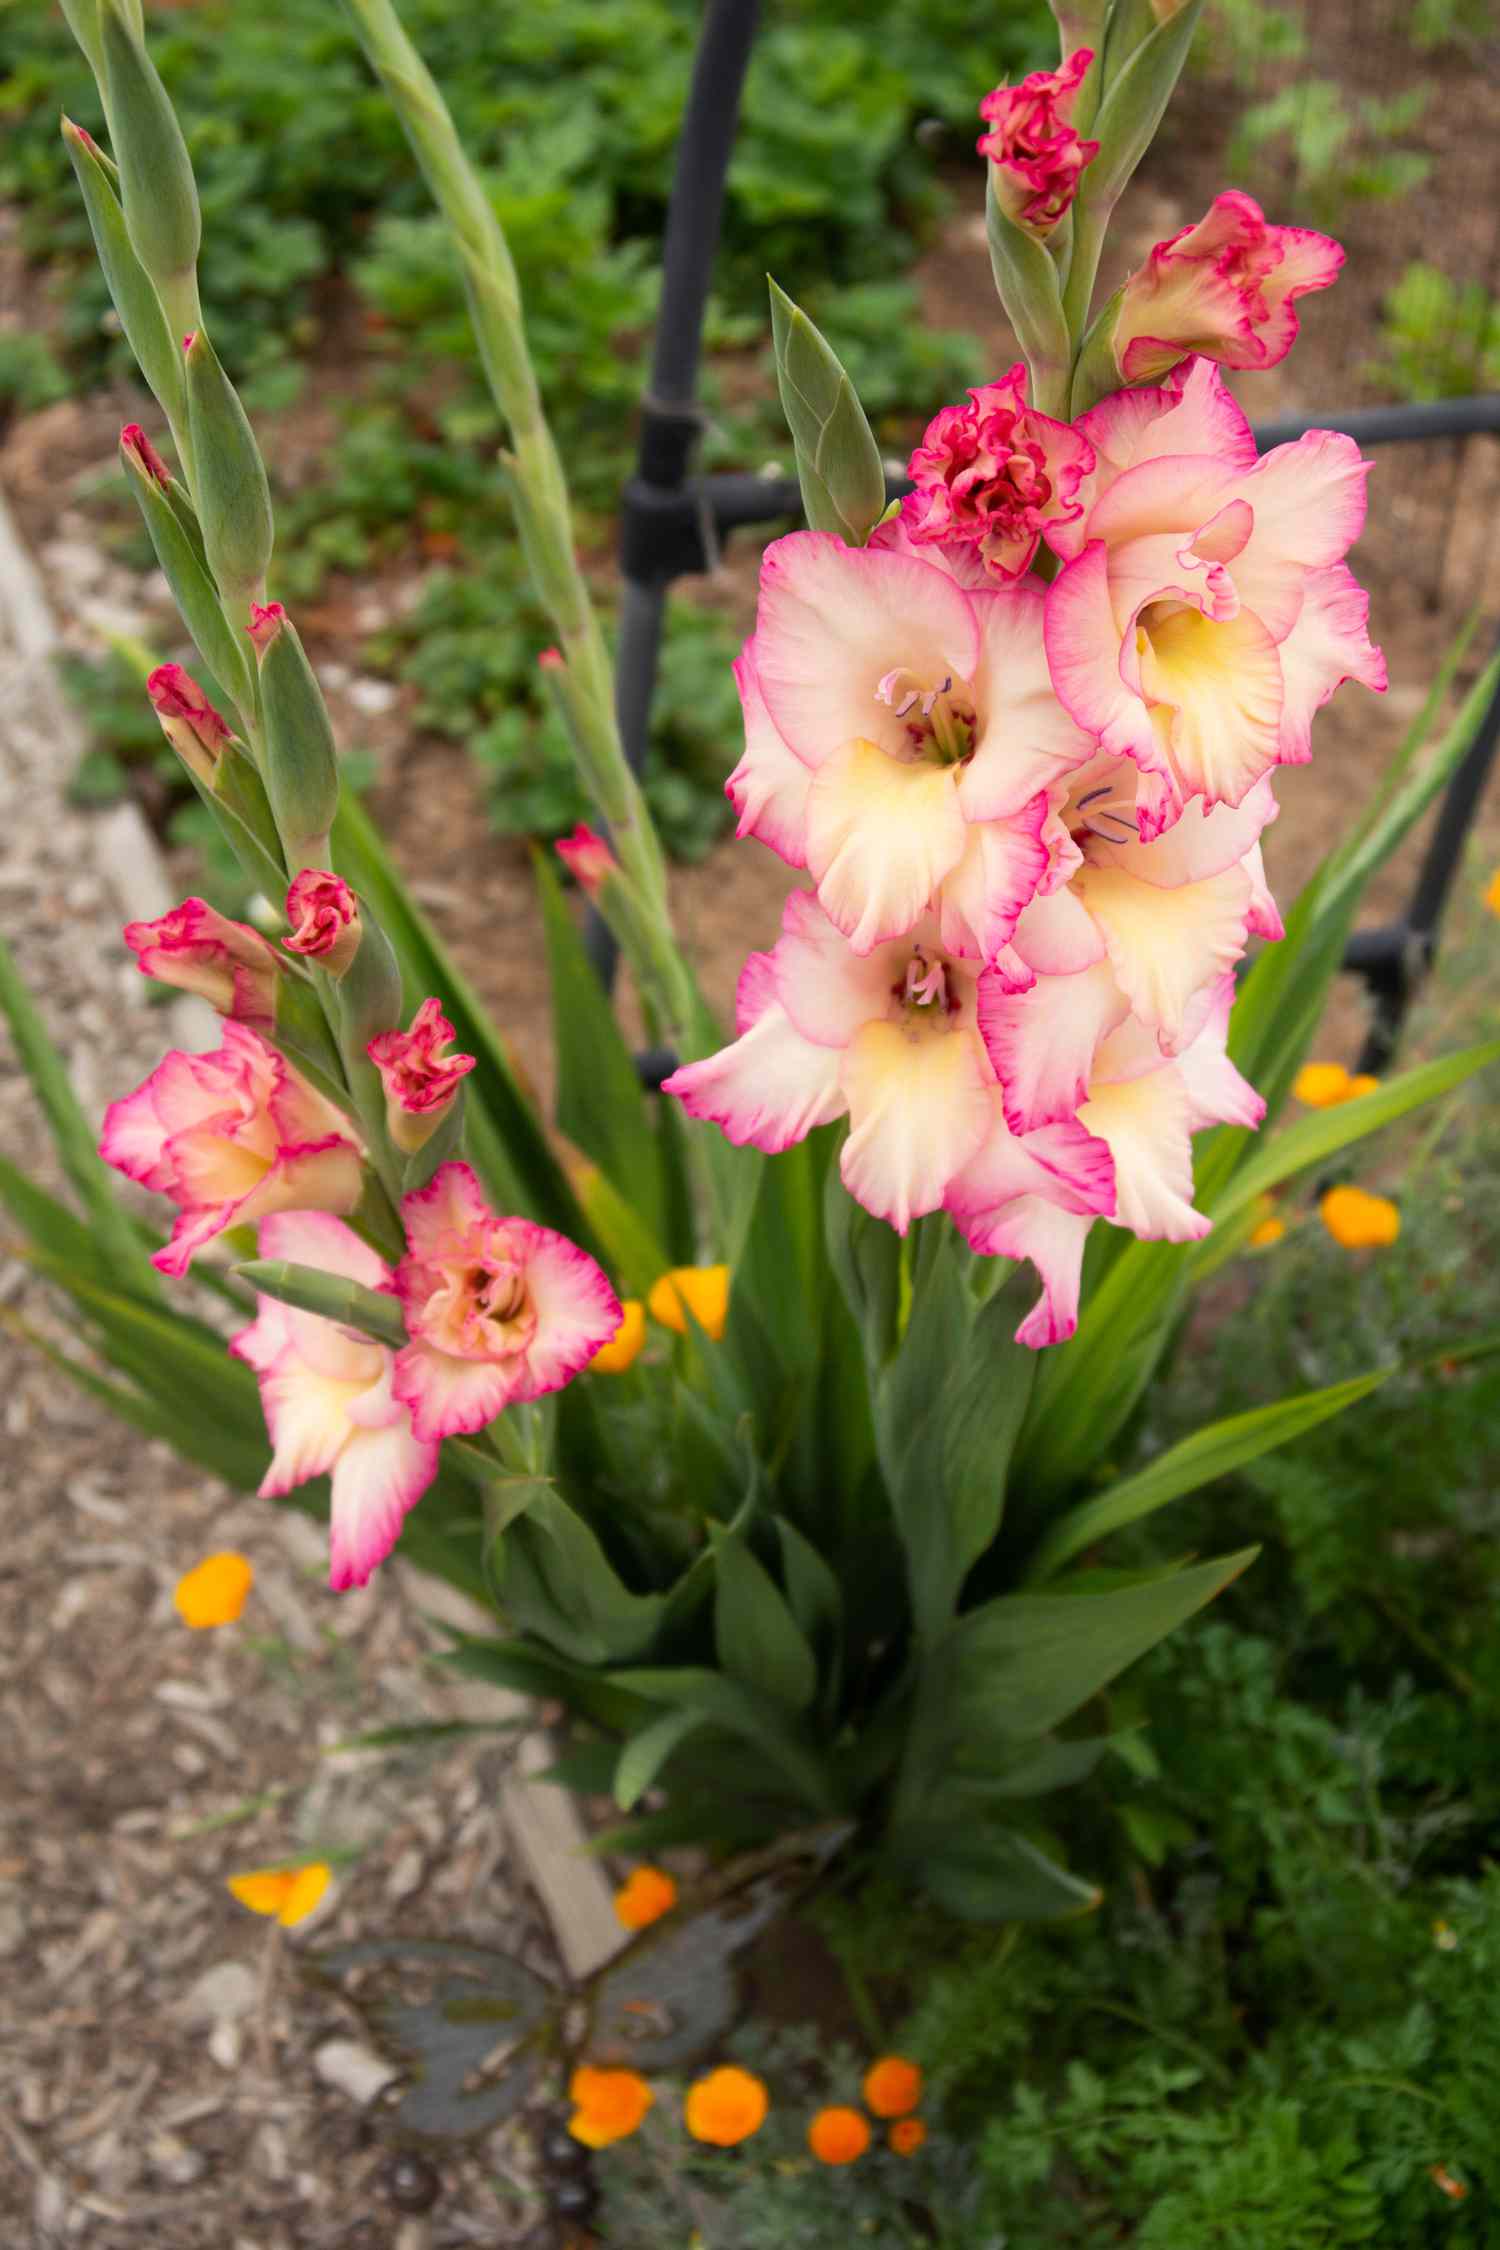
587	858
1226	288
990	476
143	453
550	660
231	1137
1036	153
196	731
497	1309
266	621
324	915
198	950
421	1081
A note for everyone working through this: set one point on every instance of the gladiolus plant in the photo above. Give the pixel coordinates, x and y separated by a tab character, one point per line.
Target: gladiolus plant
778	1415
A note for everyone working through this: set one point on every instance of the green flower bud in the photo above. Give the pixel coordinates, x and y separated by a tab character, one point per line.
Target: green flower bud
130	290
157	188
234	499
301	762
167	513
838	461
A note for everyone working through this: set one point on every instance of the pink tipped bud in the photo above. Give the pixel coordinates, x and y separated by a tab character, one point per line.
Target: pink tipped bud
1036	155
421	1079
550	660
324	915
137	447
587	858
190	339
196	949
266	621
81	135
196	731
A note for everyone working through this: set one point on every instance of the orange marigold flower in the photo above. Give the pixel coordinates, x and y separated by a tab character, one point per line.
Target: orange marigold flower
1359	1221
608	2105
1268	1232
907	2135
838	2136
645	1898
726	2107
1321	1085
704	1290
289	1894
893	2086
1363	1082
614	1357
214	1591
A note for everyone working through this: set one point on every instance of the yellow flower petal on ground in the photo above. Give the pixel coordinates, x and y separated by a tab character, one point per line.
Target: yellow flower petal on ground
288	1893
1321	1085
214	1591
1358	1220
608	2105
614	1357
726	2107
704	1290
907	2135
1492	892
645	1898
892	2087
838	2136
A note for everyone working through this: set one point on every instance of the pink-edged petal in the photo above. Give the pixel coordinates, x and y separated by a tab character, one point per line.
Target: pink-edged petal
437	1216
451	1397
1173	496
1053	1240
1061	1163
193	1230
1025	741
378	1478
329	1176
1164	945
827	988
881	835
1216	1092
834	621
754	991
1203	842
768	788
1328	644
316	1238
307	1416
1264	918
1193	413
1042	1043
919	1108
1083	652
576	1309
1148	1121
981	901
1057	936
1218	689
770	1088
1309	501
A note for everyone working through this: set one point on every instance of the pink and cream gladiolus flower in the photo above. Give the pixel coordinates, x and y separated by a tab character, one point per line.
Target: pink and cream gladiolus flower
198	950
196	731
420	1075
1205	612
231	1137
1132	928
990	476
891	1039
1037	156
901	734
324	915
328	1401
1227	287
498	1309
1143	1111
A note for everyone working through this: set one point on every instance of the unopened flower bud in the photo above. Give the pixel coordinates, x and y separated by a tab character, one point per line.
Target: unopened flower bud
234	499
587	858
324	915
195	949
301	761
1226	288
196	731
157	190
550	660
142	454
1037	156
266	621
421	1079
